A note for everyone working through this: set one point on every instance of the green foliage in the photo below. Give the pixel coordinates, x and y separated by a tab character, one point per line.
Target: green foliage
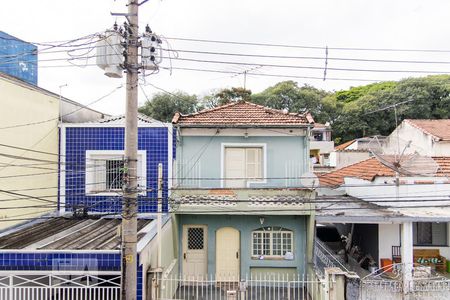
353	113
357	118
163	106
288	95
226	96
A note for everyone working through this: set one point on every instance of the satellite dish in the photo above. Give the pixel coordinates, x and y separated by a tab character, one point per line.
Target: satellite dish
309	180
399	155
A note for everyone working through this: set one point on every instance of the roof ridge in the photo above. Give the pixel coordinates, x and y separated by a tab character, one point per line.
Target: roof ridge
210	109
410	121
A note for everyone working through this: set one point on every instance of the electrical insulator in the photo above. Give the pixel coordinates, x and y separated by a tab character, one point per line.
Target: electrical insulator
151	51
109	54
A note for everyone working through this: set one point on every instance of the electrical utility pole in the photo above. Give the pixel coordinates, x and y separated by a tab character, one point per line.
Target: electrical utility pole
126	40
129	208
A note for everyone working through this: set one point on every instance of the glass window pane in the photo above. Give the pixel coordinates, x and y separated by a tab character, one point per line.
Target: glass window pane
266	243
276	243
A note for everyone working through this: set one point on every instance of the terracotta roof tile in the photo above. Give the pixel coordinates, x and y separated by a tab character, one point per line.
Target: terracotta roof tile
370	168
243	113
344	145
440	129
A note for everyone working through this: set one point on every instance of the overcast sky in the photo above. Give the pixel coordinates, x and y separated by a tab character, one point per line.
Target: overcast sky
401	24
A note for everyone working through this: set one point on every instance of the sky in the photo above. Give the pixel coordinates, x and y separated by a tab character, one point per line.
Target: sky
381	24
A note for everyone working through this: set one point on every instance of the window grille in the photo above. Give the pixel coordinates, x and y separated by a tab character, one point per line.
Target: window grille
105	171
195	238
270	241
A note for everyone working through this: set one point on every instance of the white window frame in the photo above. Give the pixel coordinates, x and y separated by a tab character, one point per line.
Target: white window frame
109	154
244	145
271	232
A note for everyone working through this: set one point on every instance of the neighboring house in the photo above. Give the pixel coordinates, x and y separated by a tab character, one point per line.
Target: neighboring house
74	258
92	156
354	151
390	219
239	202
79	253
18	58
320	145
29	138
426	137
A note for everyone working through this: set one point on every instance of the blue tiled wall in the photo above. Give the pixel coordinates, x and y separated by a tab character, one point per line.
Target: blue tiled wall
139	287
79	139
40	261
61	261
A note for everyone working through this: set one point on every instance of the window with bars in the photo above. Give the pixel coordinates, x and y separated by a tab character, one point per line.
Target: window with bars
430	234
105	172
272	242
196	238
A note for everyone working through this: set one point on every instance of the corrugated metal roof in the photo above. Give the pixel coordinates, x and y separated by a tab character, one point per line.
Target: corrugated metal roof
68	234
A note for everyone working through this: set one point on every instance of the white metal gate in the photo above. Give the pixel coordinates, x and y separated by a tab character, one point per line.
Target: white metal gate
431	286
259	287
59	286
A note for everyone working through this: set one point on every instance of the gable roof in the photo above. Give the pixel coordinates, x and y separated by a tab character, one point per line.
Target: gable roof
439	129
243	114
370	168
344	145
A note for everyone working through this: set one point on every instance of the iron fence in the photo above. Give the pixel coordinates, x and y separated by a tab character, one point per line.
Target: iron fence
29	286
255	287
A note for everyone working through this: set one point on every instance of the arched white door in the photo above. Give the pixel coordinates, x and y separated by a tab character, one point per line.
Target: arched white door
227	254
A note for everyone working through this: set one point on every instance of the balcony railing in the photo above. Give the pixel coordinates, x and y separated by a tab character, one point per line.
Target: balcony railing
284	201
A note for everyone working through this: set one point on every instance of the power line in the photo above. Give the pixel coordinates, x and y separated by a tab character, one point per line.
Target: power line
307	57
65	115
273	75
306	46
291	66
309	67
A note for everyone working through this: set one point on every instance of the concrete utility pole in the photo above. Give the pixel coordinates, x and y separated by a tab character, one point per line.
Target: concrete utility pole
129	208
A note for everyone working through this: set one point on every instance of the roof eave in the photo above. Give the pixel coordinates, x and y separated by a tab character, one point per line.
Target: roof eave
243	125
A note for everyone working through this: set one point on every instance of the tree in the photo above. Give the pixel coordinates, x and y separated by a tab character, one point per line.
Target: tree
363	112
225	96
288	95
163	106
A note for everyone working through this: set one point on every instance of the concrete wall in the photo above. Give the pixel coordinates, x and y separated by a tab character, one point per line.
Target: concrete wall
200	156
340	159
389	235
246	224
22	105
73	112
421	142
442	148
148	256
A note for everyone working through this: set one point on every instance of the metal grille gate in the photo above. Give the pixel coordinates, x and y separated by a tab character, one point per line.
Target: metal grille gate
259	287
59	286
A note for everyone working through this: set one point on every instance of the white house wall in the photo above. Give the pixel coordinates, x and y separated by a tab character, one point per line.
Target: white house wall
340	159
409	192
389	235
441	148
422	143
